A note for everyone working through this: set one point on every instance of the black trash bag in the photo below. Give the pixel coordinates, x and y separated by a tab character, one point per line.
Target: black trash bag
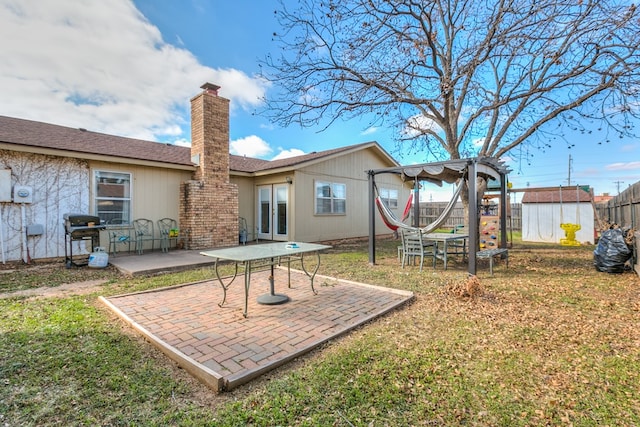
612	251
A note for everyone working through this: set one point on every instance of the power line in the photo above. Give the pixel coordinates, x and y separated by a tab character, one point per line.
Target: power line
617	183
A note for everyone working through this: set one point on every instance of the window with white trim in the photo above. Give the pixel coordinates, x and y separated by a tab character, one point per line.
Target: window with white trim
112	196
389	197
331	198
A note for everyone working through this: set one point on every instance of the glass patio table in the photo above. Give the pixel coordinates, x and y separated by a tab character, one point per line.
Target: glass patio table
259	256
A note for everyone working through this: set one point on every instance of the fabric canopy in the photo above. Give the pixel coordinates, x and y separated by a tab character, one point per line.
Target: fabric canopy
449	171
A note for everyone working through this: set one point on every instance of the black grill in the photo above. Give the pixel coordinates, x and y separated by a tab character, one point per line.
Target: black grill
80	227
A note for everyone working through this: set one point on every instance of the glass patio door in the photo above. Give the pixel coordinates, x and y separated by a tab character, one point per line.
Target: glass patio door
273	212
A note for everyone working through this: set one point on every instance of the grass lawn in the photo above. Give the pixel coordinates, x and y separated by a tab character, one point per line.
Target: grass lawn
548	341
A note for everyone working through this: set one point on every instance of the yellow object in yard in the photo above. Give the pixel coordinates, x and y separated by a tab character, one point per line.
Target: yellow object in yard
570	234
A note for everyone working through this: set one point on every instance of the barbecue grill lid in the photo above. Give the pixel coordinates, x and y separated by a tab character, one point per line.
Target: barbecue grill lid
76	219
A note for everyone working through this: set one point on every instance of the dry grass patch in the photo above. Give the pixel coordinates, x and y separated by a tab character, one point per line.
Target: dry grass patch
547	341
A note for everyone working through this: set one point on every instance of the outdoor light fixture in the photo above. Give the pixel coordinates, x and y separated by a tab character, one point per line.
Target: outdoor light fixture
289	179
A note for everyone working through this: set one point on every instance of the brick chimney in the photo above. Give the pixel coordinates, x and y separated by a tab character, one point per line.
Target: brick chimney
209	202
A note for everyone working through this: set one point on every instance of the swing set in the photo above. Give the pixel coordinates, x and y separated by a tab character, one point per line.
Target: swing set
570	228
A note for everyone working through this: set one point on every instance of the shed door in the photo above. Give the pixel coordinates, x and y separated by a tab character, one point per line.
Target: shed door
273	212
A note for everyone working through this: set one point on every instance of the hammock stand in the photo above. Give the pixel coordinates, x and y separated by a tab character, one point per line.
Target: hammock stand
450	171
394	223
388	217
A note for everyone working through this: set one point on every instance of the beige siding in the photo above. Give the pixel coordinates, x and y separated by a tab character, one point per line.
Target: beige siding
350	170
155	193
246	202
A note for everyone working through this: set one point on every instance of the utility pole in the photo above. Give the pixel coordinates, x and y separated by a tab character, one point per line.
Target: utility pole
569	177
617	183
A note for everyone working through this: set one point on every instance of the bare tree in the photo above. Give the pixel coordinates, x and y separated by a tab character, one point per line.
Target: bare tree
460	78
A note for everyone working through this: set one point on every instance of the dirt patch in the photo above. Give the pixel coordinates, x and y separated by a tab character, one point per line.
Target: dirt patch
51	278
79	288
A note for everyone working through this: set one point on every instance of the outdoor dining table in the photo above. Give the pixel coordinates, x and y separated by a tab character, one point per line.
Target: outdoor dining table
445	239
259	256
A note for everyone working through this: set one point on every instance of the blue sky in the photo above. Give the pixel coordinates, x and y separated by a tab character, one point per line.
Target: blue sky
129	68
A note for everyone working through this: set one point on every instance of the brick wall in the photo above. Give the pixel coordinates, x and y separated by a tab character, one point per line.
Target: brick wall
209	202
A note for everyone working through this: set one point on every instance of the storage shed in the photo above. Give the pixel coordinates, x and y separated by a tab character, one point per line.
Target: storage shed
544	209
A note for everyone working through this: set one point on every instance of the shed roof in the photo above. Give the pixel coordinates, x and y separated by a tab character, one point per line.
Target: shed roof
566	195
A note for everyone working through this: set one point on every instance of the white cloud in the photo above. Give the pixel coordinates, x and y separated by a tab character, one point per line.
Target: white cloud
477	142
250	146
103	66
369	131
623	166
417	124
285	154
182	142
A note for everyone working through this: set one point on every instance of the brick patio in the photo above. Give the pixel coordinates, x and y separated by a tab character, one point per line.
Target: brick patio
223	349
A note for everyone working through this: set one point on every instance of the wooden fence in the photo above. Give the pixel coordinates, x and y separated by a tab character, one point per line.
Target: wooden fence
624	210
430	211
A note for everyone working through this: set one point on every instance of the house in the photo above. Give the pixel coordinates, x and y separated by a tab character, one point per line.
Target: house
313	197
602	198
543	210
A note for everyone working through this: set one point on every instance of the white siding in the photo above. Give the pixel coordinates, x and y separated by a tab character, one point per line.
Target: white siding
60	185
63	185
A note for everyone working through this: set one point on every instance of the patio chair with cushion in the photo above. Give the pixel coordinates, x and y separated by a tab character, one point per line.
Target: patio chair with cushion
169	232
119	232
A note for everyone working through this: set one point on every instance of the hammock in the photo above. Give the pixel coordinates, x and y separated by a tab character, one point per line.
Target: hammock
394	223
407	207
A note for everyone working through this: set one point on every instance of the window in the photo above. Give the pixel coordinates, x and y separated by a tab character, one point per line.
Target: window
331	198
112	195
389	197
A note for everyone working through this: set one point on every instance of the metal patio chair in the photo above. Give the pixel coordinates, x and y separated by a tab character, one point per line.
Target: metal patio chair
169	232
119	232
144	232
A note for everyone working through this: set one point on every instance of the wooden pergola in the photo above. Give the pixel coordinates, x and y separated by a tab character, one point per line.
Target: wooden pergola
449	171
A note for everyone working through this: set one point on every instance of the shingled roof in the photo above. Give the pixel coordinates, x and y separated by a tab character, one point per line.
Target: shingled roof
80	142
83	143
251	165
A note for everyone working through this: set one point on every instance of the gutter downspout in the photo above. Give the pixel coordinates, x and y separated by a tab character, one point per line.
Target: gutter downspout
23	228
4	260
